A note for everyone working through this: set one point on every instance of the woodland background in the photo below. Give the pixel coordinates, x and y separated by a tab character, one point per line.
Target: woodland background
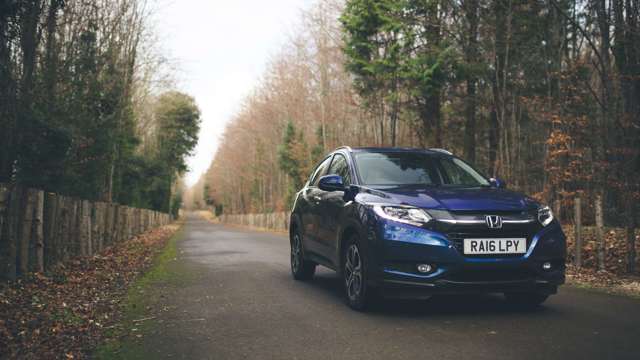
86	99
544	94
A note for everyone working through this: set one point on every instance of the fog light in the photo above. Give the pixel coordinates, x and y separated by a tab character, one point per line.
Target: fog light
546	266
424	268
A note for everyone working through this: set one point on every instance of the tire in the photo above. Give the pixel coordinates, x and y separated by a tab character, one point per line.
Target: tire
301	269
354	274
526	299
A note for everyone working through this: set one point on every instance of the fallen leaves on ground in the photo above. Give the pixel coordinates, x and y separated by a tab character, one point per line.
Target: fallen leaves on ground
604	280
67	312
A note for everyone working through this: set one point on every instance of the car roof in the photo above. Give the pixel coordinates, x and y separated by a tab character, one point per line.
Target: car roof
395	149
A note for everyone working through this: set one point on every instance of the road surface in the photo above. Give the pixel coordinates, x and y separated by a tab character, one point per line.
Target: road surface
243	304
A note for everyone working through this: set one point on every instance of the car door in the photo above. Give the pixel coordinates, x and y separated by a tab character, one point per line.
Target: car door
332	207
310	211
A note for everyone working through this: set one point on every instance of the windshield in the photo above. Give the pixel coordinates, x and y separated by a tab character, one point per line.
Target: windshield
405	168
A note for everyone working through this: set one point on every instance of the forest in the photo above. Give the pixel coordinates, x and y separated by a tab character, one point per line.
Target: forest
544	94
87	99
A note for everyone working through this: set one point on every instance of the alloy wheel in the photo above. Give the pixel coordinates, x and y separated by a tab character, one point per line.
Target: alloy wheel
353	272
296	253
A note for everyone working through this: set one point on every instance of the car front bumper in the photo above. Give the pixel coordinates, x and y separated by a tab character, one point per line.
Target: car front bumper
399	248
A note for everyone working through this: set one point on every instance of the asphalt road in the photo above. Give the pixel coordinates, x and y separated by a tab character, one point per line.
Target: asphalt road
244	304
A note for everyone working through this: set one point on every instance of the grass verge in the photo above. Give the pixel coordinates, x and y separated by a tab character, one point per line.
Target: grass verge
141	303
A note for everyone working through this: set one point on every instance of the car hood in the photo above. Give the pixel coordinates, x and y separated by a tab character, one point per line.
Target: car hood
452	198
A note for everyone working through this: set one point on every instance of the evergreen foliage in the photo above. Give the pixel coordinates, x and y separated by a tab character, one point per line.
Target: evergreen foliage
70	121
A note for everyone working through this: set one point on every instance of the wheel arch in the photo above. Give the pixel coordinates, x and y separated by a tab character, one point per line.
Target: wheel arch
294	223
349	230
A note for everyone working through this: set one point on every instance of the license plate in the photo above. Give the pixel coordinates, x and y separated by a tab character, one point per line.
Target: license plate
495	246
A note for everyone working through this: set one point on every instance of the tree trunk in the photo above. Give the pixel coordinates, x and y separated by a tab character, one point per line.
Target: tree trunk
601	131
494	135
471	57
394	115
8	92
51	56
626	49
28	43
499	84
27	133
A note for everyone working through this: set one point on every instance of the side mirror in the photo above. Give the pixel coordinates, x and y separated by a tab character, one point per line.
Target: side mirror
331	183
497	183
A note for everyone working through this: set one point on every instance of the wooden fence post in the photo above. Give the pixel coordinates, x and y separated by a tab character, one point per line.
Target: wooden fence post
95	226
88	240
7	233
118	224
126	224
58	239
82	237
49	224
15	212
74	236
37	230
24	244
102	229
4	206
111	219
69	234
631	238
62	228
578	232
600	233
286	221
557	210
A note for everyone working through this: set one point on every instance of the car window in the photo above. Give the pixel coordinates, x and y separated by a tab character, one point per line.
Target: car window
408	168
319	171
339	166
396	169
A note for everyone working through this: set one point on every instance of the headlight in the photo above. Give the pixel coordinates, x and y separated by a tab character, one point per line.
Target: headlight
545	215
403	214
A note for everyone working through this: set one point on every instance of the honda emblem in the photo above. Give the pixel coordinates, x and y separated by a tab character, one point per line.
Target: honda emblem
493	221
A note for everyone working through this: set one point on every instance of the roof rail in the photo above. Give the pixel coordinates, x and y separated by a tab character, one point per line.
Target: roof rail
441	151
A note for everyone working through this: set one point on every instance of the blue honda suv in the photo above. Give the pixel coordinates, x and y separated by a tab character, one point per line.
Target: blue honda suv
411	223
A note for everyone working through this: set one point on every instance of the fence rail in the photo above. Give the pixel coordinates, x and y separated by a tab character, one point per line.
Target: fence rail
272	221
39	230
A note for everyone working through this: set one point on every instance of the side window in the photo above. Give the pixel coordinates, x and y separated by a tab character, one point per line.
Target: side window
320	170
339	166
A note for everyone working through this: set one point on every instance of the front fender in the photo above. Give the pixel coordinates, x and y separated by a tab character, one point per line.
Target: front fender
295	220
356	220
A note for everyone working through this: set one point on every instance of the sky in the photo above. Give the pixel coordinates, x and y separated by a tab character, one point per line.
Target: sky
221	48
